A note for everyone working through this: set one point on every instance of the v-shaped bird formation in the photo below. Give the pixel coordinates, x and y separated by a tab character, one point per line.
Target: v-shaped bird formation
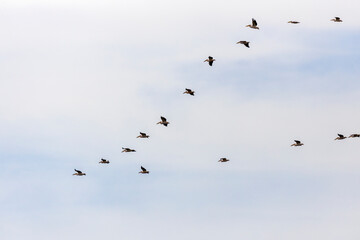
210	60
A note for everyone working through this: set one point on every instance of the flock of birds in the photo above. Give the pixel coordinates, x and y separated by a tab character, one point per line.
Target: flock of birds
211	60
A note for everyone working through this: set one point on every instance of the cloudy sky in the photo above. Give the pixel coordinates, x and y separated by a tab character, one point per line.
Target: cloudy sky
80	79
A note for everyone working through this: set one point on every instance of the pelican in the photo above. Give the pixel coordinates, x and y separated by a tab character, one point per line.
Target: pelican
104	161
143	135
354	135
223	160
210	60
189	91
253	25
336	19
79	173
163	121
128	150
297	143
340	137
244	42
144	171
294	22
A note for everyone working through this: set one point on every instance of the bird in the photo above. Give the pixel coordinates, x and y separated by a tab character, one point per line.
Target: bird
189	91
297	143
294	22
128	150
104	161
163	121
144	171
210	60
253	24
79	173
354	135
340	137
336	19
143	135
223	160
246	44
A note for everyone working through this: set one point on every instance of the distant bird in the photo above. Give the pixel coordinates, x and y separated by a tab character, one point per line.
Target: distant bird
104	161
128	150
144	171
143	135
223	160
244	42
297	143
294	22
354	135
210	60
79	173
253	24
189	91
336	19
163	121
340	137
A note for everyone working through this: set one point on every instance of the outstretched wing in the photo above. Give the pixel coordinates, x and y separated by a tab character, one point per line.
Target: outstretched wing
211	58
297	141
245	43
337	18
78	171
254	23
340	135
142	134
163	119
144	169
188	90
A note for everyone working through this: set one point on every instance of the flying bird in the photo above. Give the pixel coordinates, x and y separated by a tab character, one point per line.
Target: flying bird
340	137
79	173
294	22
297	143
189	91
128	150
210	60
336	19
253	24
354	135
144	171
143	135
163	121
246	44
223	160
104	161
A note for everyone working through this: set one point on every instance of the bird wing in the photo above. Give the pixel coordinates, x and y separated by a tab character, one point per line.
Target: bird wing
210	63
340	135
254	23
337	18
163	119
78	171
144	169
297	141
142	134
188	90
211	58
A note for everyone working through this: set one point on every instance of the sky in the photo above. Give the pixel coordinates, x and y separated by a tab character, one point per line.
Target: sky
80	79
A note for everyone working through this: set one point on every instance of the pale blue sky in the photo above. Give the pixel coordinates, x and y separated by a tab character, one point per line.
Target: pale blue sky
79	80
